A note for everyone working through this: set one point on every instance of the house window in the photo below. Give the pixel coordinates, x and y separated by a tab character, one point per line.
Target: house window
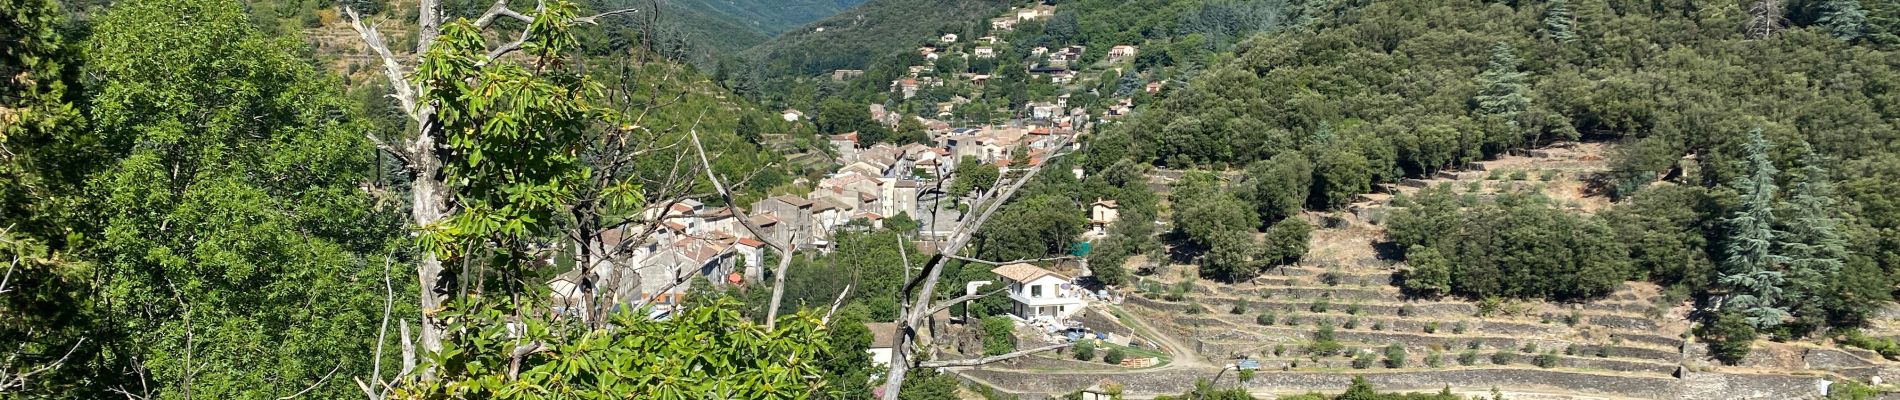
1035	291
1062	309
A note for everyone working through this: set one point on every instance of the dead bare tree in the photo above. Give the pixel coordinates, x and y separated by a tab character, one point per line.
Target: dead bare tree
421	154
1764	18
923	288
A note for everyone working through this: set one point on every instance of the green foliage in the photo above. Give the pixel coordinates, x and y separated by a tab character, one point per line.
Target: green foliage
1521	246
1278	187
1730	337
733	357
228	207
1430	275
1084	350
510	182
929	384
1035	226
1394	356
1364	360
972	175
1887	347
1324	343
1503	357
1750	270
998	335
1663	228
1266	319
1206	391
1848	389
1546	360
1114	356
1286	241
1468	358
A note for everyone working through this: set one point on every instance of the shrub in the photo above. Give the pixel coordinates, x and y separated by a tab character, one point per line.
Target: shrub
1239	307
1352	323
1364	360
1529	347
1435	360
1083	350
1431	327
1324	344
1546	360
1496	174
1603	351
1547	175
1474	187
1264	319
1574	318
1291	321
1729	338
1570	350
1473	344
1279	350
1854	338
1331	278
998	335
1503	357
1519	175
1406	310
1458	328
1394	356
1319	306
1378	326
1353	309
1489	306
1468	358
1114	356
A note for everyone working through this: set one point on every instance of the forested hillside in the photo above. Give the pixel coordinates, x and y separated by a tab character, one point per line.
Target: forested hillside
770	17
854	37
1753	168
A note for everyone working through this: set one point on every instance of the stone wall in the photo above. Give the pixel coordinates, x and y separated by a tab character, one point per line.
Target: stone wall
1696	386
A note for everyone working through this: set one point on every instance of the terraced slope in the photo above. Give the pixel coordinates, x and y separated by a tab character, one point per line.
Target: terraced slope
1630	344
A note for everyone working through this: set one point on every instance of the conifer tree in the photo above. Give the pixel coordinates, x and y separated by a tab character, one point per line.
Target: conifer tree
1845	18
1750	273
1811	239
1559	23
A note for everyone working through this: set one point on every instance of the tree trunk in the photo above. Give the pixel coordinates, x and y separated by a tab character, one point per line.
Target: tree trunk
430	198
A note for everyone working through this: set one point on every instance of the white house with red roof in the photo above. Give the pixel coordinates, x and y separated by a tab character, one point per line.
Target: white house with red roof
1041	295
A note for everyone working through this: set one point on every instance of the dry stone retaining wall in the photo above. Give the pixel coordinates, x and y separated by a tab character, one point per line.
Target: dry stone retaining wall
1695	386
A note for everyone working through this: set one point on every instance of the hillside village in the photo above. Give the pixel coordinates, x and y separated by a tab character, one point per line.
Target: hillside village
1169	328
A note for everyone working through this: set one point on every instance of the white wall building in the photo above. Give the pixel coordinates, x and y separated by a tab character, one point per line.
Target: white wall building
1041	295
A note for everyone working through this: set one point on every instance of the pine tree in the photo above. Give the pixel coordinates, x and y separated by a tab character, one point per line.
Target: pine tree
1846	18
1749	273
1811	239
1559	23
1502	96
1503	93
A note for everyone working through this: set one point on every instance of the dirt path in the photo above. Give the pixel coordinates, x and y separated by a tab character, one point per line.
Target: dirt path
1184	356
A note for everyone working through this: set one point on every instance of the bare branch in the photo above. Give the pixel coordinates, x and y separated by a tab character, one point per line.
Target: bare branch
408	349
20	380
778	287
499	9
744	219
313	386
594	19
1026	260
944	305
391	68
834	306
990	359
